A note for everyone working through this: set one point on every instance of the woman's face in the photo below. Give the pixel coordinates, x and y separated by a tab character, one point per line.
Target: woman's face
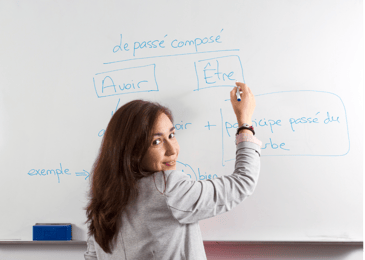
164	149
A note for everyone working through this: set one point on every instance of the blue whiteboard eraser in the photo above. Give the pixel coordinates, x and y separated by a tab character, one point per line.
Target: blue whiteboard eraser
52	232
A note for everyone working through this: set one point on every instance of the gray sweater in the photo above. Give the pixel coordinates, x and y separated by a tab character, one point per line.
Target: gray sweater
166	226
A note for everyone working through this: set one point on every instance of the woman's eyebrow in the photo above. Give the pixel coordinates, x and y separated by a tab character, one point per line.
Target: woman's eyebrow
160	134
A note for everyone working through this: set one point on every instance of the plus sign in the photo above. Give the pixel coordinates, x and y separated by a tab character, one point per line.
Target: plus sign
209	125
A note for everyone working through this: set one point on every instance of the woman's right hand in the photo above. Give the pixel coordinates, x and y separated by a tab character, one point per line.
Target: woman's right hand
244	108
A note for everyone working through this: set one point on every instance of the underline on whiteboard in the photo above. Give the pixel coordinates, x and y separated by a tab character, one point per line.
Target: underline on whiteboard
313	155
169	55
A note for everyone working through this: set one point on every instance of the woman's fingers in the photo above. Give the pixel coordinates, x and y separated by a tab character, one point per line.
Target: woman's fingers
244	108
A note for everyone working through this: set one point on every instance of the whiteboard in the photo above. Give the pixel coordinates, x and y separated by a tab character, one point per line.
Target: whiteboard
66	67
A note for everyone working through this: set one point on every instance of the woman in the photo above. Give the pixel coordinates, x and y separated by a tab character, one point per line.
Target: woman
140	207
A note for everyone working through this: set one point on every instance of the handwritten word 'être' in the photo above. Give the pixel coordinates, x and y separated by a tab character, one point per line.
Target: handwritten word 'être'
161	43
212	73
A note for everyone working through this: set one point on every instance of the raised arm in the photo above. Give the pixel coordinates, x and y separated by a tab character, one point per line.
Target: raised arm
191	201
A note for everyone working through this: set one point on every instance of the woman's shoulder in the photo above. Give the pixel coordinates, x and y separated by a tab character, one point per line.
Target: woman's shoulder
173	175
175	180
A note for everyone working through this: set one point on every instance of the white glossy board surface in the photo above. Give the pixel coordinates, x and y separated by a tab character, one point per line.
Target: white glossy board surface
65	67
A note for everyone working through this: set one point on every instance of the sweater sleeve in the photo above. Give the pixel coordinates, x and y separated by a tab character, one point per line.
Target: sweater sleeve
191	201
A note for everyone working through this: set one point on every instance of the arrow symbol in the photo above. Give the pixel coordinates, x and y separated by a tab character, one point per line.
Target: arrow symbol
83	173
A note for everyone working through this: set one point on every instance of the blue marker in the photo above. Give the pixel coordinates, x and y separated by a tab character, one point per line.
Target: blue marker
238	94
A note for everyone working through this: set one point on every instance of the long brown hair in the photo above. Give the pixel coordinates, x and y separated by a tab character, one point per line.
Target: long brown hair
117	168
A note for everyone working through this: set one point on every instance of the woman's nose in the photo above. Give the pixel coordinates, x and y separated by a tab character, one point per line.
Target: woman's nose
169	148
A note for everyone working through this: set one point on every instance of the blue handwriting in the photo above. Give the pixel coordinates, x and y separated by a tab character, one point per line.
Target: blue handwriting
181	126
196	42
228	126
209	125
274	146
125	81
330	119
160	43
264	122
216	73
303	120
44	172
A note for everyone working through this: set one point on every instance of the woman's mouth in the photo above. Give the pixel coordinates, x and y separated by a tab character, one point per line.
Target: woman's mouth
169	163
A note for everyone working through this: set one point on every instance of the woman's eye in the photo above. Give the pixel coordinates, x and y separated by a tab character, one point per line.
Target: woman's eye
156	142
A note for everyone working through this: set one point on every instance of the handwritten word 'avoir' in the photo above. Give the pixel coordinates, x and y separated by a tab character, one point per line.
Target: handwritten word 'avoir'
123	86
46	172
181	126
